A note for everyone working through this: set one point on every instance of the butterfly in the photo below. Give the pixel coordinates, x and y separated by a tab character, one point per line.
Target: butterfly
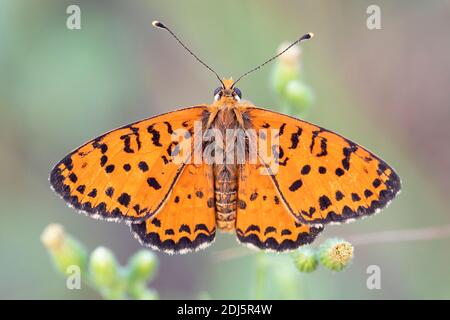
146	174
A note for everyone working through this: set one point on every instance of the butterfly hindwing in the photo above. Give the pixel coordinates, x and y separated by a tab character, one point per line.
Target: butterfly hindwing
262	219
187	220
321	176
127	173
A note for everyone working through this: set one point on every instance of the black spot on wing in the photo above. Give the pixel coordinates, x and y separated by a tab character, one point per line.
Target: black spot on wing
184	228
296	185
339	172
323	148
73	177
127	143
252	228
281	130
164	158
355	197
376	183
295	138
152	182
201	227
68	163
309	213
81	188
103	160
270	229
313	139
138	210
109	191
93	193
339	195
199	194
347	151
276	200
169	127
241	204
306	169
103	148
324	202
173	149
367	193
155	135
124	199
143	166
156	222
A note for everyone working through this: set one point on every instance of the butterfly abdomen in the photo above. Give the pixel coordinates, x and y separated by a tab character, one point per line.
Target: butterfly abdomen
225	191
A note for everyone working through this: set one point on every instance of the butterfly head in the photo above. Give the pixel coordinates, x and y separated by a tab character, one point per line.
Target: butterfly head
227	91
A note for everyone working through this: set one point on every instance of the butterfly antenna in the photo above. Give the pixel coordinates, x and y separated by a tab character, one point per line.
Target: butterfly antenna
160	25
304	37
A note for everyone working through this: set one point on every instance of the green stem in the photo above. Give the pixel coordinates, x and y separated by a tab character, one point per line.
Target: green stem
261	274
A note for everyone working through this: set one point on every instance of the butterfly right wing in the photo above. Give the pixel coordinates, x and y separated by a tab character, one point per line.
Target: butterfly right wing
321	176
262	219
128	173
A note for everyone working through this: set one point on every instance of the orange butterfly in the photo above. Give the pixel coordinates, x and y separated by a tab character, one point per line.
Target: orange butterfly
144	174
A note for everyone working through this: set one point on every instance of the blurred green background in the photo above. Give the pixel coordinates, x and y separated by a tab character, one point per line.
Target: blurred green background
386	89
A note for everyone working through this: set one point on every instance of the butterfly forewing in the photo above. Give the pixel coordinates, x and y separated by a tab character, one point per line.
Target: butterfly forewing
129	172
321	176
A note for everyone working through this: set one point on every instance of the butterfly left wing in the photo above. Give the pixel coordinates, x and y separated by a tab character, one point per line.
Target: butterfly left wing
128	173
262	219
187	220
321	176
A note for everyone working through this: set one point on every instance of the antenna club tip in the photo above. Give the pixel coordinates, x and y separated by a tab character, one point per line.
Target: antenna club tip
306	36
158	24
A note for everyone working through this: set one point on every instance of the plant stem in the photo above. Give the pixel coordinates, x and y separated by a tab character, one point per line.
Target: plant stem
261	270
422	234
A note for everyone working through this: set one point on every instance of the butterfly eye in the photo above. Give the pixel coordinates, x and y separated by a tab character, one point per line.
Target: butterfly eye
238	93
217	93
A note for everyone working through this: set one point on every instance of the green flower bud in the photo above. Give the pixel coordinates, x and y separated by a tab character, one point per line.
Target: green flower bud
64	250
305	260
148	294
298	96
112	294
336	254
138	290
103	268
142	266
